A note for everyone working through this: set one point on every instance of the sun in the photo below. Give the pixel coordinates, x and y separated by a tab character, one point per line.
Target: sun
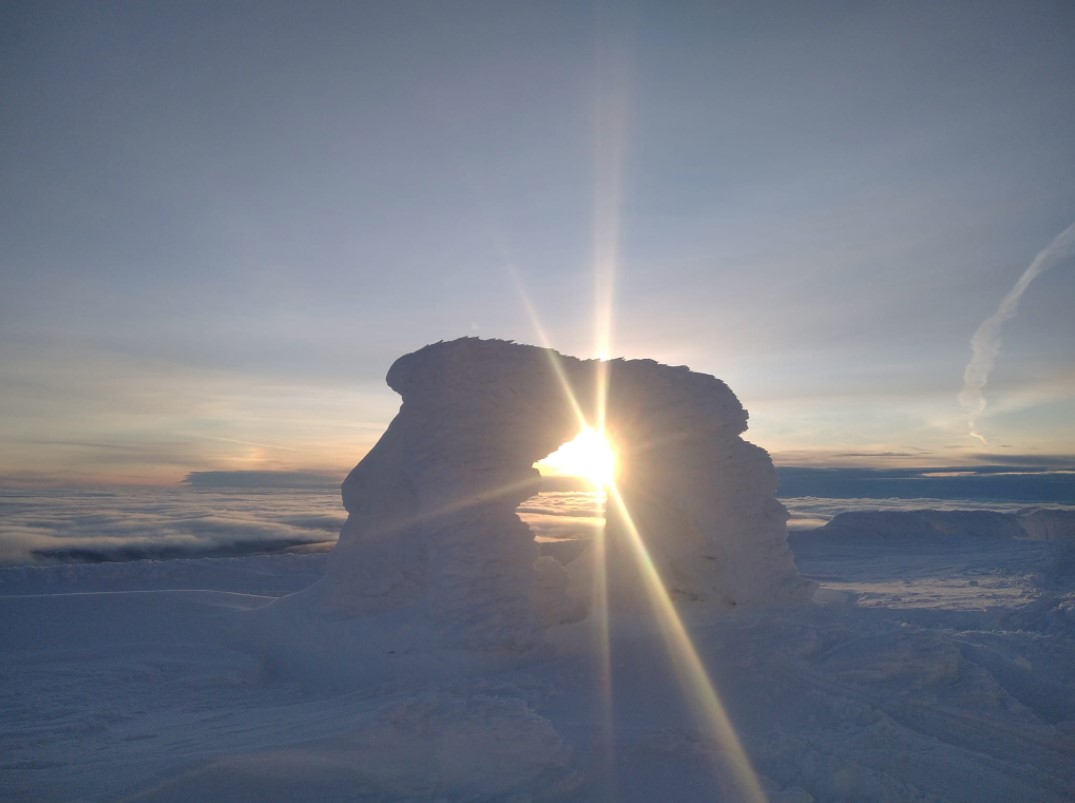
589	455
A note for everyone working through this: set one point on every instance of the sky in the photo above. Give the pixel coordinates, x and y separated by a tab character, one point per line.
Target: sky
221	222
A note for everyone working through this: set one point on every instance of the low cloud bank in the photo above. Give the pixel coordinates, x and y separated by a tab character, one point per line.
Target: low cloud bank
67	527
53	526
160	524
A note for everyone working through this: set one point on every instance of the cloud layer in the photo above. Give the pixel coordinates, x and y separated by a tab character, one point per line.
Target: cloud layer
66	526
53	526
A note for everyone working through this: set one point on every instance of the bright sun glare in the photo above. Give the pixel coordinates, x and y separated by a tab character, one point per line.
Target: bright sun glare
588	455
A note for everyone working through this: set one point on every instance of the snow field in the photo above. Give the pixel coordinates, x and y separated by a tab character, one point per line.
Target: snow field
954	692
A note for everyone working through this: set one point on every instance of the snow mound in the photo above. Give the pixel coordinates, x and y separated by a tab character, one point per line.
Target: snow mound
1042	524
433	530
1048	524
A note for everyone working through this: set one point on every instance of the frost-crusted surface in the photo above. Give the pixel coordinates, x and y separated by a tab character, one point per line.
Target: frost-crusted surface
433	525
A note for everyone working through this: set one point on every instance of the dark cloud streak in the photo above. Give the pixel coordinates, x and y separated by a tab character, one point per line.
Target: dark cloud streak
1030	484
264	479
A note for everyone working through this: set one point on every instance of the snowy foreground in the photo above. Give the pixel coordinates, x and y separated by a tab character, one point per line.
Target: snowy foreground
931	666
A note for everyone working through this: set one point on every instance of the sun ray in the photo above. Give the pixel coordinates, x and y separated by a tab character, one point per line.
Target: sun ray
693	675
610	147
543	338
610	138
599	615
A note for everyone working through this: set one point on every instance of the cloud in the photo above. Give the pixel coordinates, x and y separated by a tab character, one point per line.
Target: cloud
985	344
217	519
585	504
558	527
563	515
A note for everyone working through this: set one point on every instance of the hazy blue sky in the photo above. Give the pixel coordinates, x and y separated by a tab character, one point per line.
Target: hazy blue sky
220	223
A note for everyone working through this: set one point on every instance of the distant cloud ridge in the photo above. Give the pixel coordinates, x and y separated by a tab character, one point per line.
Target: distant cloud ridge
985	344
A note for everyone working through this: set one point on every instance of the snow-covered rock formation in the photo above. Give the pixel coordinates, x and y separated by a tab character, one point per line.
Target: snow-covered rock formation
433	529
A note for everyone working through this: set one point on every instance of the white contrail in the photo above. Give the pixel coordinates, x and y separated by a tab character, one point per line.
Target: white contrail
985	345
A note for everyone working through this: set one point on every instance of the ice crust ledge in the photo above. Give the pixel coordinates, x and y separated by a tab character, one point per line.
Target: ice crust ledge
433	535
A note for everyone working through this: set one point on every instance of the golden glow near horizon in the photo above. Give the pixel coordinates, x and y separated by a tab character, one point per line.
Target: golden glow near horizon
588	455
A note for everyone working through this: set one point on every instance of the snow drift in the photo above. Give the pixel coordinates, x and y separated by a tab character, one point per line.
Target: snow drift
433	538
1032	523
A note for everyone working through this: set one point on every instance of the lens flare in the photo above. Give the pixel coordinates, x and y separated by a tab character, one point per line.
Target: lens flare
735	765
692	672
595	458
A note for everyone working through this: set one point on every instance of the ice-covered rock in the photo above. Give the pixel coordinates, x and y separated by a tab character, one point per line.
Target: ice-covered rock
433	524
